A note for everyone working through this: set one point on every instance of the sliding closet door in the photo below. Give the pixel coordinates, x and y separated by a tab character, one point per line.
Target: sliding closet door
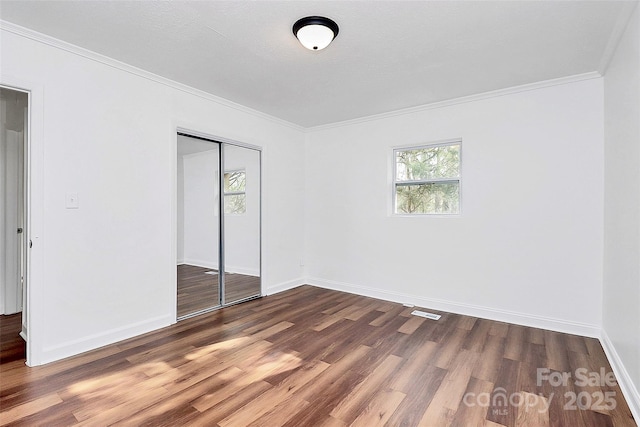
198	225
241	223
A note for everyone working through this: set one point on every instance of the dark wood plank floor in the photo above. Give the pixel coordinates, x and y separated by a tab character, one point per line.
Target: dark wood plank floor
199	291
240	286
313	357
12	346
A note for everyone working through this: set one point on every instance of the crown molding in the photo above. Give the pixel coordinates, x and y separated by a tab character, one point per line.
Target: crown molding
461	100
105	60
88	54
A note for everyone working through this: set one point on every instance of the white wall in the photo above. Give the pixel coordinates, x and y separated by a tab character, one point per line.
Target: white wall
621	296
109	134
180	209
201	208
13	143
12	113
3	161
528	245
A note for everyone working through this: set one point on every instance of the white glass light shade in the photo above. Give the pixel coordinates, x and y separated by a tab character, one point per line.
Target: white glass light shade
315	37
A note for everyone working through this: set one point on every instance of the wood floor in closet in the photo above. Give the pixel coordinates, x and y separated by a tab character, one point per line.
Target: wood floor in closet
198	288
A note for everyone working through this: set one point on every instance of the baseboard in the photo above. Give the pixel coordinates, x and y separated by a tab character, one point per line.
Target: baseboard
242	270
200	263
23	334
523	319
92	342
214	266
629	389
285	286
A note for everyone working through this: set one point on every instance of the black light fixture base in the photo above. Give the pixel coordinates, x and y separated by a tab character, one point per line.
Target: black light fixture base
316	20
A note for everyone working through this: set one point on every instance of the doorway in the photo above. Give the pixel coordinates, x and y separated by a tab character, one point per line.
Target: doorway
218	224
14	119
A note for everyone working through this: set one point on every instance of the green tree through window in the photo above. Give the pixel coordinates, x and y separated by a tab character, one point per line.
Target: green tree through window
427	179
235	197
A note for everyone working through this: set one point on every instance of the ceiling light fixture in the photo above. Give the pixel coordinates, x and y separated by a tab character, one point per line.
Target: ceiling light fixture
315	32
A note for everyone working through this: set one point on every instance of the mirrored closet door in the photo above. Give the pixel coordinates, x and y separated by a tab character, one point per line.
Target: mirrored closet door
218	224
241	223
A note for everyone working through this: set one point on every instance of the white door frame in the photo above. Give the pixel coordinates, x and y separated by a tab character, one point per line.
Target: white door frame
32	312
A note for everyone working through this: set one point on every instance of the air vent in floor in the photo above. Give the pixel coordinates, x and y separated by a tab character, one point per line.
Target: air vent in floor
426	315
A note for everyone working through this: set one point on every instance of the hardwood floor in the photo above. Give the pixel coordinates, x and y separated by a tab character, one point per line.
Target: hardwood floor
240	286
314	357
196	290
199	291
12	346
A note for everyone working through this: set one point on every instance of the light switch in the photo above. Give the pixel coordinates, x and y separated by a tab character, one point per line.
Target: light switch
71	201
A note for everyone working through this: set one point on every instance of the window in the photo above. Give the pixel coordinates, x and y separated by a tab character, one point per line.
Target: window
427	179
235	197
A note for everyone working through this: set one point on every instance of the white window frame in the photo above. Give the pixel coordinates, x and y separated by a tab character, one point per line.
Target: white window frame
394	184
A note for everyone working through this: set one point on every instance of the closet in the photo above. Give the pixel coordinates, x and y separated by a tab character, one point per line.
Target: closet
218	224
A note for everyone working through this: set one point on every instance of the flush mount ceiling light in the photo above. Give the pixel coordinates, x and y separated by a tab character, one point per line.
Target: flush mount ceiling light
315	32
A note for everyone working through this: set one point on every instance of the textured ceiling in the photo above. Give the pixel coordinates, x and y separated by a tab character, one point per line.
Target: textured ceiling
389	55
